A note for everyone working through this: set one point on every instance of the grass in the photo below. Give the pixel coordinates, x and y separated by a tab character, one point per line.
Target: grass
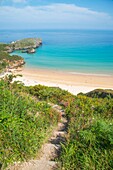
24	123
89	143
90	135
26	118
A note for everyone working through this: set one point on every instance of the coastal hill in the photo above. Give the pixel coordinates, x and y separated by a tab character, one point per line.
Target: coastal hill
8	62
29	117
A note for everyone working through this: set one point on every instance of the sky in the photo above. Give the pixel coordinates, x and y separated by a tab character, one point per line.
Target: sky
56	14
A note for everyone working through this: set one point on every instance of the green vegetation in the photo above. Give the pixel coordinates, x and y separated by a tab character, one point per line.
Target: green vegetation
27	42
90	135
7	60
3	47
24	123
25	118
28	45
90	129
100	93
5	56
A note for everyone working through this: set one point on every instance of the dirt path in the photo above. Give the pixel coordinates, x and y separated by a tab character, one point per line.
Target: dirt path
50	150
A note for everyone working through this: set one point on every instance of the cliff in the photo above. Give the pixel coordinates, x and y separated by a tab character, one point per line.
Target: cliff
7	62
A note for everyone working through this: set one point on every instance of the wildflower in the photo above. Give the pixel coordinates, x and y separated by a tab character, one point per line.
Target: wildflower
93	107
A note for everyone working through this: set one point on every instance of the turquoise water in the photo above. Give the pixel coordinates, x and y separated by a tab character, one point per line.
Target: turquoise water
83	51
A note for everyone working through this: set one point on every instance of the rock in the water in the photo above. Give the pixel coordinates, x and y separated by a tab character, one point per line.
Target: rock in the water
27	43
32	50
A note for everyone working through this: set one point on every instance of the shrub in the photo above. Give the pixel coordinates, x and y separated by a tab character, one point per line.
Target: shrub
24	124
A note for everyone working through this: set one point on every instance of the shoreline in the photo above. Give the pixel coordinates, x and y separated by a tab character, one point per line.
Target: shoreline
74	83
30	67
91	74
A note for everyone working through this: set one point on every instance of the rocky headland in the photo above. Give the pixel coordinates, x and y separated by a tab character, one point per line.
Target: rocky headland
27	45
8	62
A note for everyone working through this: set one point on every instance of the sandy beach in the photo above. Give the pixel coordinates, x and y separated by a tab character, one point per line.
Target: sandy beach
73	82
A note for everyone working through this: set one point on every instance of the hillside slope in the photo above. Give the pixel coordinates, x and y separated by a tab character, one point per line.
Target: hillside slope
26	117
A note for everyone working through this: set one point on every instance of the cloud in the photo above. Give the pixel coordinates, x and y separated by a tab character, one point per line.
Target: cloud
55	16
19	1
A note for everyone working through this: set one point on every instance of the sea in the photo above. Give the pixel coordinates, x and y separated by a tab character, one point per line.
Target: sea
74	51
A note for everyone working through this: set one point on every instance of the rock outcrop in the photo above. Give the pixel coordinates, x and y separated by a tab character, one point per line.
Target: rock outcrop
32	50
27	45
16	64
8	62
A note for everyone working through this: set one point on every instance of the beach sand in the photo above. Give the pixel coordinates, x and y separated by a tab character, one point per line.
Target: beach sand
73	82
